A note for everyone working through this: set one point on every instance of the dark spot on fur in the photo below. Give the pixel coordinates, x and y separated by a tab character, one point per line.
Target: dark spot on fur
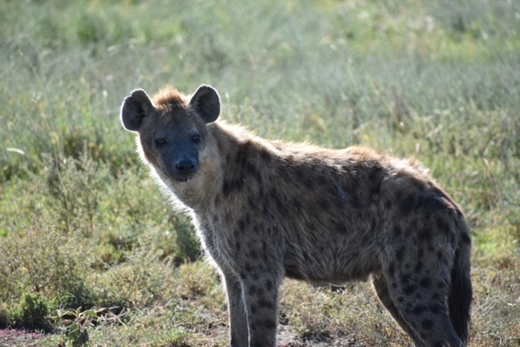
388	204
441	224
425	282
238	184
375	178
242	275
248	267
452	237
324	203
269	284
425	235
252	171
439	256
435	202
253	254
264	303
408	204
391	269
269	324
260	292
261	193
308	182
420	253
405	279
251	202
419	309
400	299
436	308
225	188
252	289
409	290
399	254
354	202
266	156
275	199
397	231
227	217
418	267
427	324
253	309
230	186
264	251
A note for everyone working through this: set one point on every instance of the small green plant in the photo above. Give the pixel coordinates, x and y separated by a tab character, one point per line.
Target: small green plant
32	312
77	332
186	241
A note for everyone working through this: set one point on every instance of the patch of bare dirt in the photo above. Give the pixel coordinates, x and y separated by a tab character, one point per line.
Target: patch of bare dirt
287	338
18	337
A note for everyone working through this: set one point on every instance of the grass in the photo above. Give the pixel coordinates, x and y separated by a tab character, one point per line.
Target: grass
90	248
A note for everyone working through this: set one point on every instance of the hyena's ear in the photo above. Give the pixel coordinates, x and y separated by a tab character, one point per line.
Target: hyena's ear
134	109
206	102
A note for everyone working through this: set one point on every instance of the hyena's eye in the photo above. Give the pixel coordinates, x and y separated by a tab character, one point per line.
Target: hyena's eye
160	142
195	138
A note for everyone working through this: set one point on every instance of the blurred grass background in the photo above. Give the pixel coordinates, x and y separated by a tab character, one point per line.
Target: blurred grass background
90	249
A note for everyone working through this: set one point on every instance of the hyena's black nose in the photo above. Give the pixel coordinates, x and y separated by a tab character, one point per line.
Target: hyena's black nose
185	165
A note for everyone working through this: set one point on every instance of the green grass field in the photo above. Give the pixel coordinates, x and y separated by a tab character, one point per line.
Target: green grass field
90	249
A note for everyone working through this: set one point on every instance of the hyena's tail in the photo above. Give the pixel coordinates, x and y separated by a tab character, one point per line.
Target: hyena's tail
461	293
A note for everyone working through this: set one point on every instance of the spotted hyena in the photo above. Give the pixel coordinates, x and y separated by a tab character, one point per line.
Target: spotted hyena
266	209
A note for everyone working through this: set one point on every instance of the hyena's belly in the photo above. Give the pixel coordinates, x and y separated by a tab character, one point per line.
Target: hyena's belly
330	261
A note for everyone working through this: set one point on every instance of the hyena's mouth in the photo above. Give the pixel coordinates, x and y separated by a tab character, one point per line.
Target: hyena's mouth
183	179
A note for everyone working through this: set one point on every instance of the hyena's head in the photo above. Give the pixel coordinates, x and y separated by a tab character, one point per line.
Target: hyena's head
172	128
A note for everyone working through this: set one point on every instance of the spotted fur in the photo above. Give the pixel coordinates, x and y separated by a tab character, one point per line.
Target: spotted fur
266	209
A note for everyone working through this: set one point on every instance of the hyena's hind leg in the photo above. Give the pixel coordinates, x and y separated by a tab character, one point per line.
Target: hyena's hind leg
381	288
417	285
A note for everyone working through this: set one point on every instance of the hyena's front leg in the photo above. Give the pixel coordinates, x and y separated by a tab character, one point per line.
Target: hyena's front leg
238	330
261	300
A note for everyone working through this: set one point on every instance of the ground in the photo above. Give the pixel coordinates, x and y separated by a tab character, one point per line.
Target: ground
18	337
